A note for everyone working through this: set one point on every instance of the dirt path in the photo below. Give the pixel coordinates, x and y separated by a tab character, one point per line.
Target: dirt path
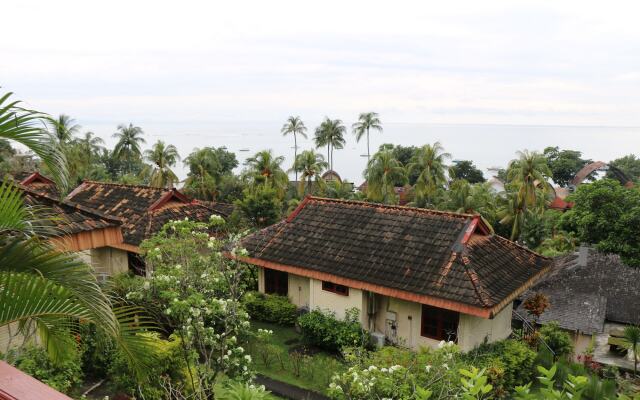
288	391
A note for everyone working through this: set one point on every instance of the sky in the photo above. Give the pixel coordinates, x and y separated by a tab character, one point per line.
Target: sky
486	78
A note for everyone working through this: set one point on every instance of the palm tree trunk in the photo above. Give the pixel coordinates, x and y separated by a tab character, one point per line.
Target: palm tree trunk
368	152
329	154
295	154
332	157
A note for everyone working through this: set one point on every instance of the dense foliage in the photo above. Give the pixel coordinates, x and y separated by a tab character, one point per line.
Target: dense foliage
323	329
271	308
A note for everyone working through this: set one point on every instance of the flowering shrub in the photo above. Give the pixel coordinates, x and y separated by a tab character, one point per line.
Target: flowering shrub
198	291
271	308
324	330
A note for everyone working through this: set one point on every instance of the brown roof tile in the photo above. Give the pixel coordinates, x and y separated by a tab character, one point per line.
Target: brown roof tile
426	252
143	209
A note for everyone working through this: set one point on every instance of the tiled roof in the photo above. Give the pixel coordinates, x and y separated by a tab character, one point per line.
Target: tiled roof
71	218
224	209
37	183
143	209
586	289
424	252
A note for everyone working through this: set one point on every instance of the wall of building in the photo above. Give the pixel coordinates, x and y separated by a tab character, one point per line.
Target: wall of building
260	279
109	261
337	303
299	290
11	338
473	331
581	343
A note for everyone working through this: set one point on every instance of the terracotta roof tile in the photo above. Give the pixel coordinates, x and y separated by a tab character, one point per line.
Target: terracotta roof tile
415	250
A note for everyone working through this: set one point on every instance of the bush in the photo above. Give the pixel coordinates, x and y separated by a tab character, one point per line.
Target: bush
169	365
35	361
98	350
508	363
323	330
271	308
557	339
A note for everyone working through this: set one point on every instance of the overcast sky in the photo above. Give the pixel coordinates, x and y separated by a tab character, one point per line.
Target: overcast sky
230	72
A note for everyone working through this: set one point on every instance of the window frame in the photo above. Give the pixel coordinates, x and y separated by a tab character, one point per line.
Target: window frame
341	290
443	319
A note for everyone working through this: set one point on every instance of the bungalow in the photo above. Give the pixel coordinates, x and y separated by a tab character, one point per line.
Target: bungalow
417	276
593	296
143	211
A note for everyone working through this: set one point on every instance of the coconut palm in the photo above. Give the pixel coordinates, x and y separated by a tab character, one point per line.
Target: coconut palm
429	163
528	175
43	291
330	133
162	157
336	189
311	165
478	198
64	128
381	174
90	143
266	169
366	122
632	343
294	126
513	213
128	147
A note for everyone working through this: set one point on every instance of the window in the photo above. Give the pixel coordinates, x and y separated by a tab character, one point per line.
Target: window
335	288
439	324
276	282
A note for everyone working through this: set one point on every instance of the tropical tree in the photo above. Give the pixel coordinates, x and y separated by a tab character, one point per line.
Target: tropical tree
381	174
64	128
162	157
128	147
513	213
311	165
472	199
43	291
265	169
330	133
429	163
294	126
210	170
336	189
528	174
366	122
632	343
464	169
91	144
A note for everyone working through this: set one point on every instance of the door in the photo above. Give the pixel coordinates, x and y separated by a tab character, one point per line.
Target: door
276	282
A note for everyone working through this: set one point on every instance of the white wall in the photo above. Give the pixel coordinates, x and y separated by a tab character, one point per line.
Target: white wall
472	330
337	303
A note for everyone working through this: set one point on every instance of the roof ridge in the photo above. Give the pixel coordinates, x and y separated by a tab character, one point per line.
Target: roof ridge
511	242
395	207
126	185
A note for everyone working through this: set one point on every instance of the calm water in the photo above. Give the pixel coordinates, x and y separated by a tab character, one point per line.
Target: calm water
487	145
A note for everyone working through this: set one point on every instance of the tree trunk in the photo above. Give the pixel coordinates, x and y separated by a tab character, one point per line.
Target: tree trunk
368	152
295	154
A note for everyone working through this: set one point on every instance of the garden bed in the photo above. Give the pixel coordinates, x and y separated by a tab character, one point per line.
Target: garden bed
288	359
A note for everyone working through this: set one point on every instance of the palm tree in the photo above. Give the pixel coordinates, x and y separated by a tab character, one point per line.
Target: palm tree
128	147
162	157
266	169
294	126
632	343
336	189
366	121
311	165
64	128
382	172
513	212
42	290
330	133
528	175
429	162
478	198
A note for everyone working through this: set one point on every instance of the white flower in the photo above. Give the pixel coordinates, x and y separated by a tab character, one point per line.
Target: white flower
427	368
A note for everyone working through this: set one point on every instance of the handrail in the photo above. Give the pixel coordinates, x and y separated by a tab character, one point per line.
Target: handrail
530	328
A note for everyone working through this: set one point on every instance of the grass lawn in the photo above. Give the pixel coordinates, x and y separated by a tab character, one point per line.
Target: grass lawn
313	371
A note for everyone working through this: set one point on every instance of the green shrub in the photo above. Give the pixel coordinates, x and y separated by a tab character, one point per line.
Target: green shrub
169	365
508	363
98	350
558	340
271	308
35	361
322	329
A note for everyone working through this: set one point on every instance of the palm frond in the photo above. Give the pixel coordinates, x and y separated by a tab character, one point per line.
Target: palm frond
28	128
